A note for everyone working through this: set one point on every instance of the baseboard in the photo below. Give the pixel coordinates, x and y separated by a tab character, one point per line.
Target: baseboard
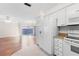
44	51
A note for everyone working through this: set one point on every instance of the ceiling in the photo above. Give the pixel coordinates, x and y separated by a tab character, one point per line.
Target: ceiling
24	12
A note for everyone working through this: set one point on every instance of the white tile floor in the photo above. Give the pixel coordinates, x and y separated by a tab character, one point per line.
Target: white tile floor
29	49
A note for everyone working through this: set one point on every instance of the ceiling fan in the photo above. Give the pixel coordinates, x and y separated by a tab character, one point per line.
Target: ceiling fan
27	4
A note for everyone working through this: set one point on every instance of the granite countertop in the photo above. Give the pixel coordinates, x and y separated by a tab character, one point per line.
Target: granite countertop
61	35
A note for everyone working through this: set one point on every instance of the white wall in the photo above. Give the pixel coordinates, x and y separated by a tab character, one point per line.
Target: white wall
9	29
28	22
11	26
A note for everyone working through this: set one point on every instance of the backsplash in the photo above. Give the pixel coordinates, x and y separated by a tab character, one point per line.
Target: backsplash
63	29
69	29
74	29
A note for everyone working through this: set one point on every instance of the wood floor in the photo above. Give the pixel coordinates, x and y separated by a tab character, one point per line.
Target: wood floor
9	45
13	46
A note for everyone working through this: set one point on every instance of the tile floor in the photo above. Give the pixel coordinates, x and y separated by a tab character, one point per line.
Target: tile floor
29	49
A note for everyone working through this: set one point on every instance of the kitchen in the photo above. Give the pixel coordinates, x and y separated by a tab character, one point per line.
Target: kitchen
60	30
52	28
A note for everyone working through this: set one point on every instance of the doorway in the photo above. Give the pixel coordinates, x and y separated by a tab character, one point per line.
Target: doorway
27	33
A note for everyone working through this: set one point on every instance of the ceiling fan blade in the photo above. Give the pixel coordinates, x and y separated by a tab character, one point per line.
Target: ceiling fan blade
27	4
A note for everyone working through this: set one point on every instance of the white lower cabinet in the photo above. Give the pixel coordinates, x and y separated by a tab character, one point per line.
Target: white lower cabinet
58	47
56	52
60	53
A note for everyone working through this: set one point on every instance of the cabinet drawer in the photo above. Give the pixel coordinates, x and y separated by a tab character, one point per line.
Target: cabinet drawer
60	50
56	47
56	52
56	44
60	41
60	53
56	41
60	44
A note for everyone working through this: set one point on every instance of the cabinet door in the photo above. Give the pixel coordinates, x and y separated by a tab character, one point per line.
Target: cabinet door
56	44
73	14
47	29
58	47
73	9
66	48
60	54
61	17
56	52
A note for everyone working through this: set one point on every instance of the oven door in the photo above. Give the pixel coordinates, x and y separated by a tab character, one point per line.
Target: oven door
75	48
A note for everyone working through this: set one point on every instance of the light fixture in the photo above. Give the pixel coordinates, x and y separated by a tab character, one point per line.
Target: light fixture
27	4
8	19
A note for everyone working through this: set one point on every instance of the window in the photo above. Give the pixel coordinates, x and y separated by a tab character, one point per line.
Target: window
27	31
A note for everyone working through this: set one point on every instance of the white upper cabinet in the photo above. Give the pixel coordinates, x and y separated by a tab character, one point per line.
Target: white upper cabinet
73	14
61	17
